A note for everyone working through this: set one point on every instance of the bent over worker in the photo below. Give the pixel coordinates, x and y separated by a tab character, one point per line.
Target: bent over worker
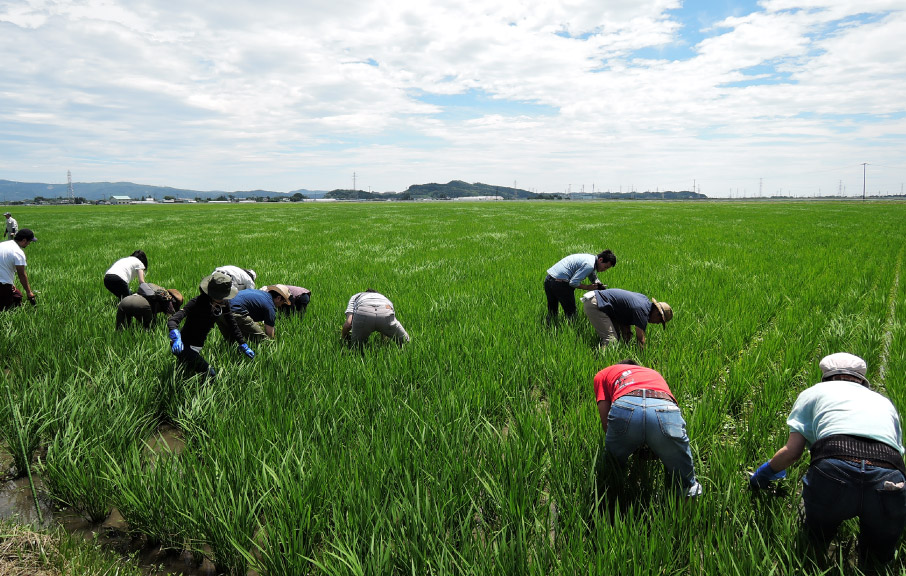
250	307
566	276
369	312
856	468
200	314
637	408
613	311
146	304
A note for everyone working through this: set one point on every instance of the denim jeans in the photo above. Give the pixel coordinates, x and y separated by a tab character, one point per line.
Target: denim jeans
634	421
836	490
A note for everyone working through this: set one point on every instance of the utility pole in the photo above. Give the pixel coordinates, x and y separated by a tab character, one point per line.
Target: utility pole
864	164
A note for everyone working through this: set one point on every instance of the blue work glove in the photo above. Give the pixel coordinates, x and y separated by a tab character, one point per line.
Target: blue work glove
763	477
176	346
244	348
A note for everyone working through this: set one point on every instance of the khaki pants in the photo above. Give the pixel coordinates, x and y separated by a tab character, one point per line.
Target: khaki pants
251	330
608	330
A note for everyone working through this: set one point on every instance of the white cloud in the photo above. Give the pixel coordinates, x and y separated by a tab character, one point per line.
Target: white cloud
240	95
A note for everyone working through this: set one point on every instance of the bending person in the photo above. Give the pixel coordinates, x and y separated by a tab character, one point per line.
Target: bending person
856	468
119	276
200	314
369	312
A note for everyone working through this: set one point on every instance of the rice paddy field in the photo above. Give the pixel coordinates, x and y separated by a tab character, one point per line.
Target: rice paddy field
476	448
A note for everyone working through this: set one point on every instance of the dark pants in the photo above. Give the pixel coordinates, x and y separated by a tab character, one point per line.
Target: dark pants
117	286
559	293
191	361
836	490
10	297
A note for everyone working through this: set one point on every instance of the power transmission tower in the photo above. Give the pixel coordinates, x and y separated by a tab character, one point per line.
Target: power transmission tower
71	193
864	164
353	181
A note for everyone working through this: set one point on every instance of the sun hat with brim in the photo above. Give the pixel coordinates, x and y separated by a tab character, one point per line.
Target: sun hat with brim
280	289
843	363
7	214
218	286
665	310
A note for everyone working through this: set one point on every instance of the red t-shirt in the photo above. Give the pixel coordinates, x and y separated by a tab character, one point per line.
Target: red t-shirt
615	381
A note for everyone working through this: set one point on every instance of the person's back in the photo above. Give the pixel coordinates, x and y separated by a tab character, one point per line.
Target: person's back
256	304
369	312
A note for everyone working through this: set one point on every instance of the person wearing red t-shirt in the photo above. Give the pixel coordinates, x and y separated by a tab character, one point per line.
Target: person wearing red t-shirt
637	408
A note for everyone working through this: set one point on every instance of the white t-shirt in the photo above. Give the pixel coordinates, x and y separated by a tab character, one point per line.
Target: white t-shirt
11	227
126	268
840	407
241	278
11	255
368	299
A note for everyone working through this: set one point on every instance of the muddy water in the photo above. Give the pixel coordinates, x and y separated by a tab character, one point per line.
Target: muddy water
17	503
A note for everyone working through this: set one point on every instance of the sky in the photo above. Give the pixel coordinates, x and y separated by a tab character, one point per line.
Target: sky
728	98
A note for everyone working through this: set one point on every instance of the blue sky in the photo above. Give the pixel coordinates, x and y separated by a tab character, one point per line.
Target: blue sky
734	98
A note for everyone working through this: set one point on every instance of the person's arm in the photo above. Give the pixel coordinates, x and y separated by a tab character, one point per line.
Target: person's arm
269	331
23	280
141	276
603	411
775	468
789	454
347	326
640	336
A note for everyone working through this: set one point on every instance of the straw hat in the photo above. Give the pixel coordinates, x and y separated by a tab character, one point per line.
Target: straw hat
665	310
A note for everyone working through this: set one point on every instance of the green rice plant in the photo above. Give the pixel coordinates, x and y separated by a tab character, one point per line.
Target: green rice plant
475	448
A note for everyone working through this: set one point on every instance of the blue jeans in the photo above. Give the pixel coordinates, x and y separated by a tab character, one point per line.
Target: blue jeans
634	421
836	490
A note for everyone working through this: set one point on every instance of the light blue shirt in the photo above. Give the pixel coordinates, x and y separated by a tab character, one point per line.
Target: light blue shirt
840	407
575	268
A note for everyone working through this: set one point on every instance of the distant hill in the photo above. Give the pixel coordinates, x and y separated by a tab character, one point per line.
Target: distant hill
460	189
22	191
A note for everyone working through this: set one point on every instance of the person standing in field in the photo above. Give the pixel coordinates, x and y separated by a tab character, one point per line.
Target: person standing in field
567	275
146	304
638	409
11	226
299	298
369	312
612	311
200	314
120	275
243	279
12	265
856	468
250	307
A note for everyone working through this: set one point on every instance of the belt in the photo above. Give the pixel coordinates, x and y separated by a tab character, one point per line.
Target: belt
875	463
645	393
549	277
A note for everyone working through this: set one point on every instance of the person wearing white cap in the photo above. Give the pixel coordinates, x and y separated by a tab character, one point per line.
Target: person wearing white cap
856	469
11	226
243	279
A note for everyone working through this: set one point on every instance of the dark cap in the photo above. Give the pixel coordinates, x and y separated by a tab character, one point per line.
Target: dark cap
25	234
218	286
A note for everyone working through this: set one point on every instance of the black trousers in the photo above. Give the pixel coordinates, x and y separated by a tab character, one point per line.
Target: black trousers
117	286
562	294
